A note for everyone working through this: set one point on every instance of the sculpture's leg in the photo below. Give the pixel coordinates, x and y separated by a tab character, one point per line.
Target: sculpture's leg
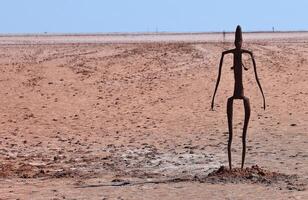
229	113
247	116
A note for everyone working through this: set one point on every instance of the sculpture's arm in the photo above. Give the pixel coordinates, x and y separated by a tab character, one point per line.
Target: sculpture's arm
256	75
219	75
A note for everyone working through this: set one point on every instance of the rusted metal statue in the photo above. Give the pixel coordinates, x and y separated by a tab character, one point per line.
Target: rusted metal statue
238	89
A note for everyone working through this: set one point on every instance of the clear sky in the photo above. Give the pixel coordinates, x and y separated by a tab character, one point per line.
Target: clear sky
86	16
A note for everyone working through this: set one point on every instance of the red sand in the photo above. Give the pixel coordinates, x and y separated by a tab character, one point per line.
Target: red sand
75	115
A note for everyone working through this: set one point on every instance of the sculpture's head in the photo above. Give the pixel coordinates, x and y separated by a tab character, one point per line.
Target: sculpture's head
238	37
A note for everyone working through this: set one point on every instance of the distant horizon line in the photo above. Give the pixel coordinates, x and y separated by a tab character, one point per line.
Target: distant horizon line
137	33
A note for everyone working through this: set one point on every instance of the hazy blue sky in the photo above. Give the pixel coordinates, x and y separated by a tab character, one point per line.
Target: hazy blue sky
29	16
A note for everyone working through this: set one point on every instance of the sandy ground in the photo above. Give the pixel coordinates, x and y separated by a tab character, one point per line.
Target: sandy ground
133	121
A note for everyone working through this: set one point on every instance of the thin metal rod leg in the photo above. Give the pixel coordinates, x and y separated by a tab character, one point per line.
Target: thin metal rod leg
247	116
229	113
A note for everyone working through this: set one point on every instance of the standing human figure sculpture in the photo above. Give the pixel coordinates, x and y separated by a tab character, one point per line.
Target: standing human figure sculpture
238	90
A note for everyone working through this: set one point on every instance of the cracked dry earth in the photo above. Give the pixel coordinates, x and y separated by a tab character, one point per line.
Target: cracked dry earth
133	121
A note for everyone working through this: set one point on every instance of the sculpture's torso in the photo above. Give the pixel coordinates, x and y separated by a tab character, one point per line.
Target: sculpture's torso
238	74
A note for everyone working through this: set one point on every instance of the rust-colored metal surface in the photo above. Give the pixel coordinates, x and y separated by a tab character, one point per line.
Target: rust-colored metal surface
238	90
